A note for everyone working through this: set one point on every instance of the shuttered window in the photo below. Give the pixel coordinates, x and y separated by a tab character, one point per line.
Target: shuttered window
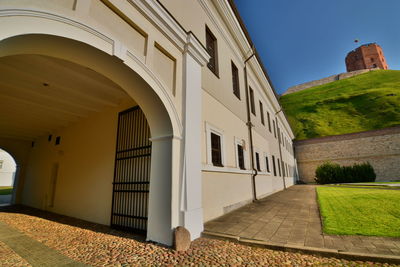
235	80
216	155
211	45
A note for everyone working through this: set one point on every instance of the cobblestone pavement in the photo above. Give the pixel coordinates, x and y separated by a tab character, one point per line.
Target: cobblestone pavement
98	245
291	217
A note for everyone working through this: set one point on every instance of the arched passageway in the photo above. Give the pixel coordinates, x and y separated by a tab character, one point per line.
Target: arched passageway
63	97
8	169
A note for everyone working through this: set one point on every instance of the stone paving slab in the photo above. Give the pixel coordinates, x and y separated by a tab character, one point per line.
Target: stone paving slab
291	217
33	251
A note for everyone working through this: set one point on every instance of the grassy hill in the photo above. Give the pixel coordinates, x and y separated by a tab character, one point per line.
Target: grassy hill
365	102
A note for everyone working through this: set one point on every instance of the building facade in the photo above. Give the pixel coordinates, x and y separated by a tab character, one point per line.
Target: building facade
142	115
368	56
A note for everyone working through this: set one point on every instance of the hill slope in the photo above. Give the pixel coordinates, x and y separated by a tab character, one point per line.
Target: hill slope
366	102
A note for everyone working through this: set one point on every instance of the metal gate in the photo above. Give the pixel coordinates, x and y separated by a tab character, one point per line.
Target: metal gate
132	172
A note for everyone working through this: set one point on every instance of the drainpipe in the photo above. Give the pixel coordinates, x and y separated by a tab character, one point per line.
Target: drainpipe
280	150
254	171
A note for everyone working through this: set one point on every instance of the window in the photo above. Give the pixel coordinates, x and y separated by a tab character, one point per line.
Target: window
216	153
212	49
283	168
279	168
262	113
258	162
273	165
1	164
269	122
235	80
240	156
252	105
267	163
274	128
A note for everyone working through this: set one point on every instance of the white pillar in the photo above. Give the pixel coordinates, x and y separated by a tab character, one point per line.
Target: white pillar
159	228
192	186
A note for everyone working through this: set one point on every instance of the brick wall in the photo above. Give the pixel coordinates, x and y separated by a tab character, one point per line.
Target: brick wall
366	57
381	148
326	80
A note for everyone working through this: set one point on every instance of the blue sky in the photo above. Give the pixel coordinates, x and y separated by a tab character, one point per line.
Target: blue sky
304	40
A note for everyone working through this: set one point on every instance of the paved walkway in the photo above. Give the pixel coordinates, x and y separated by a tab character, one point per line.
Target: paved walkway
290	218
34	252
32	237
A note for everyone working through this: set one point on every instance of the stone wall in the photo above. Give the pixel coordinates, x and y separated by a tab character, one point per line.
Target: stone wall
326	80
381	148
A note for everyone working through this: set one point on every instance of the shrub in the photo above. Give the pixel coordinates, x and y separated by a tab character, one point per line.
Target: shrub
329	173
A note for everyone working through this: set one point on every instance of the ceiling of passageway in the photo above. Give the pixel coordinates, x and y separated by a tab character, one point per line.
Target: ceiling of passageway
40	94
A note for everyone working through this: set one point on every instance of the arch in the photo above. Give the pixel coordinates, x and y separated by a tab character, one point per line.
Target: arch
8	172
159	113
90	48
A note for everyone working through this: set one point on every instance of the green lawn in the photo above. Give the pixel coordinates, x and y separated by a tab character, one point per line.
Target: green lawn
359	211
5	190
365	102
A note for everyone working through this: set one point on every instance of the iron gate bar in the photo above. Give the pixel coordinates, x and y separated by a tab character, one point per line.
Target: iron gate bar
132	172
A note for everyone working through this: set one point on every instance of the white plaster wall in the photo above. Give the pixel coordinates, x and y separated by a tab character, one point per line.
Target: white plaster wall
228	188
86	166
7	170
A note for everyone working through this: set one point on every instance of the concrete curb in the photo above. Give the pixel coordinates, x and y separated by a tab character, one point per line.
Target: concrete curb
392	259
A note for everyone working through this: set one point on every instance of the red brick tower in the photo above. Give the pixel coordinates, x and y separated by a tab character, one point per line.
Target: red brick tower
368	56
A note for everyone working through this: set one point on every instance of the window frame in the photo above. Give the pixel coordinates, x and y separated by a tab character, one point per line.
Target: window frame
214	55
257	159
215	130
267	165
261	112
240	142
274	165
252	102
279	167
235	80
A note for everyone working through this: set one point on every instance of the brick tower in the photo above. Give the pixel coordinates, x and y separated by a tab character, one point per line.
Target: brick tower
368	56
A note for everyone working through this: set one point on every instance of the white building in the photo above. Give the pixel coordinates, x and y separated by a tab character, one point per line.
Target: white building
73	75
7	169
